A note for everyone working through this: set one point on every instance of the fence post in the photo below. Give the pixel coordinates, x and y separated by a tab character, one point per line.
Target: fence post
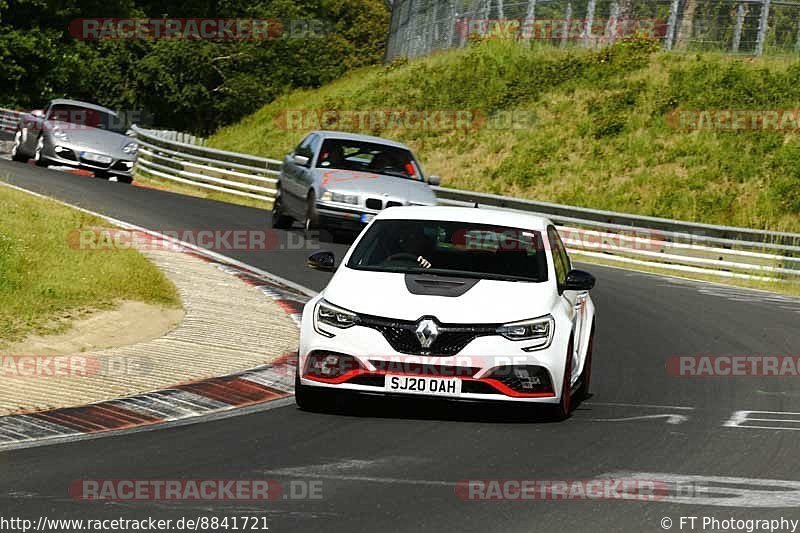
763	25
501	12
613	20
797	45
567	21
741	11
672	22
587	32
453	22
530	19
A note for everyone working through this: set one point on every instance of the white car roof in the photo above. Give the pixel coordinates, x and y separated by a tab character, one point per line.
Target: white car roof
481	215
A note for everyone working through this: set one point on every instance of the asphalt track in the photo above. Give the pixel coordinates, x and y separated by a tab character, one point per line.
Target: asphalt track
387	466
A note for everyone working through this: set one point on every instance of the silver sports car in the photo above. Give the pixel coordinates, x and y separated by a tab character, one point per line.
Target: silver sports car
340	181
76	134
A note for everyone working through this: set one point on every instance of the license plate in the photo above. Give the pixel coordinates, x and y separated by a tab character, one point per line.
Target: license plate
97	158
367	217
423	385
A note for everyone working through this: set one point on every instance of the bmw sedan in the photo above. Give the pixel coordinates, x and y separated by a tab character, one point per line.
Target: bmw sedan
339	181
450	302
79	135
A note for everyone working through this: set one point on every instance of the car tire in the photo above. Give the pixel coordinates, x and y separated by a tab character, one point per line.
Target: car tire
562	410
38	156
311	222
101	174
16	154
279	219
586	375
125	179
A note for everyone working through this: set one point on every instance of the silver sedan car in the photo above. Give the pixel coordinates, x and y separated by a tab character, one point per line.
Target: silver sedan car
340	181
79	135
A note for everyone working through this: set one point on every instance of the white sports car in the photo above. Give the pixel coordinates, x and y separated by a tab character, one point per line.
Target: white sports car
450	302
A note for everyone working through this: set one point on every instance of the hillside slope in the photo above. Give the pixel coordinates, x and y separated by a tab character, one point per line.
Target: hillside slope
600	129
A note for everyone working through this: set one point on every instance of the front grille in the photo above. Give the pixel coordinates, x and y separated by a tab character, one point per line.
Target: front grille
478	387
453	338
374	203
370	380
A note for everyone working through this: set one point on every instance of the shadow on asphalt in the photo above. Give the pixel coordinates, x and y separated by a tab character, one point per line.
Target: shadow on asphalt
365	406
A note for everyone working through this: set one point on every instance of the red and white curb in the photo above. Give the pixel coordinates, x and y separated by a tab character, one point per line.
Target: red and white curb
267	383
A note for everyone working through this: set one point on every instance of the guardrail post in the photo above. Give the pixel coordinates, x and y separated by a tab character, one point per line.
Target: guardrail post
763	26
741	11
672	24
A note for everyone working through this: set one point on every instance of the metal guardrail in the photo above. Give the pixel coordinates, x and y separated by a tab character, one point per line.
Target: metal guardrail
9	119
684	247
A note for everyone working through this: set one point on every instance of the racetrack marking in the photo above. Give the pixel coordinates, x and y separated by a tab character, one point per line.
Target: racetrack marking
670	419
774	420
642	405
721	491
289	472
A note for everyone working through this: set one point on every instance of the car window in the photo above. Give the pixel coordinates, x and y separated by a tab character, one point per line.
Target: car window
305	147
344	154
459	249
561	261
86	117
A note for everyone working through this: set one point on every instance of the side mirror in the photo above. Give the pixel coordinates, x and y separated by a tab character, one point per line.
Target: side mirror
323	261
578	280
38	113
301	160
434	180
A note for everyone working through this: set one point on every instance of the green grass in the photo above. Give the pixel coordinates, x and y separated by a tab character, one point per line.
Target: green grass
45	282
592	128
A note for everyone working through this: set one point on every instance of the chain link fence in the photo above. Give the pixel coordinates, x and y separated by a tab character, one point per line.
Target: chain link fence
749	27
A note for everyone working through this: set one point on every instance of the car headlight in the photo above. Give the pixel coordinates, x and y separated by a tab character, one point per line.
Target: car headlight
131	148
540	330
60	134
331	315
330	196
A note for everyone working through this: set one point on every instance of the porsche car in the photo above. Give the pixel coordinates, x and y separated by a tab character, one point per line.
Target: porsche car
79	135
339	181
454	303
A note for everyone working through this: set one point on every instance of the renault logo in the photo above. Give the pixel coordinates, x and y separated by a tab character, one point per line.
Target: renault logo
427	332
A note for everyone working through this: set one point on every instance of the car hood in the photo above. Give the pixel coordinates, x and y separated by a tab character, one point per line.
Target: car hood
95	139
368	183
488	301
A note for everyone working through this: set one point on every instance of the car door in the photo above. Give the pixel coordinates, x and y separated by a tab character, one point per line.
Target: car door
31	127
293	177
574	301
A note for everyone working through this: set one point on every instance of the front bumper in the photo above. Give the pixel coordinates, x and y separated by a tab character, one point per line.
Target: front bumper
74	156
343	216
476	366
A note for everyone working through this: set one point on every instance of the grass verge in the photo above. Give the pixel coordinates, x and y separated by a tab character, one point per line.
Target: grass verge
45	283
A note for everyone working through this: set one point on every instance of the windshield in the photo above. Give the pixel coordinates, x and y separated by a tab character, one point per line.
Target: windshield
343	154
87	117
459	249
